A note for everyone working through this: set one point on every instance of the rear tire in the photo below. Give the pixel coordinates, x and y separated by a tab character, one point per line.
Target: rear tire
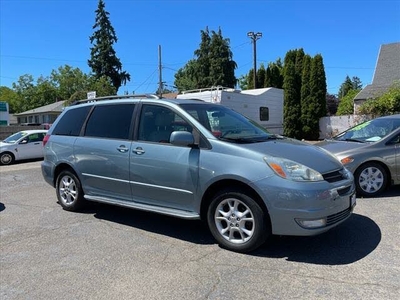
237	221
69	191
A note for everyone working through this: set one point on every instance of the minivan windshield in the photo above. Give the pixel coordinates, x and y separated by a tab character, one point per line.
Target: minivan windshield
370	131
12	139
226	124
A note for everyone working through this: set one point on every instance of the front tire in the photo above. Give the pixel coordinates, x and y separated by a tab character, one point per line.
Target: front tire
237	222
69	191
371	179
7	158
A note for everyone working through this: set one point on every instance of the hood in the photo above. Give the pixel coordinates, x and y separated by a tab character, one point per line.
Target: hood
2	144
339	147
301	152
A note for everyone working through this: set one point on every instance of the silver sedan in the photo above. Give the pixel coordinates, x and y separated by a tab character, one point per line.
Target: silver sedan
370	150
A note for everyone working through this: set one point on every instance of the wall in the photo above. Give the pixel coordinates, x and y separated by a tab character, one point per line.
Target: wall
333	125
6	131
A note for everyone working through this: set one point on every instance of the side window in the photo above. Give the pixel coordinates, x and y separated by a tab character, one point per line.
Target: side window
264	114
35	137
72	121
110	121
158	122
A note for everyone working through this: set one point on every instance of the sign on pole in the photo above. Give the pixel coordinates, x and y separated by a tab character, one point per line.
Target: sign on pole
91	95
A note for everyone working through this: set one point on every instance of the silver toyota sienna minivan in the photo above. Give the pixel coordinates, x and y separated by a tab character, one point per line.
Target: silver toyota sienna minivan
195	160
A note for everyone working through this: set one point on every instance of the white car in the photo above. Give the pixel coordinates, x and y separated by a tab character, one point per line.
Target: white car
25	144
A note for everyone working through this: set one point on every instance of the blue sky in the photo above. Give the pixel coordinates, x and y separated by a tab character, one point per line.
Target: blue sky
37	36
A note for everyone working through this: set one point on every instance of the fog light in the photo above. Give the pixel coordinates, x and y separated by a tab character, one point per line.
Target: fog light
312	223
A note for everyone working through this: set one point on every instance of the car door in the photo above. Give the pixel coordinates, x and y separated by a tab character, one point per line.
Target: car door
160	173
30	146
397	150
102	153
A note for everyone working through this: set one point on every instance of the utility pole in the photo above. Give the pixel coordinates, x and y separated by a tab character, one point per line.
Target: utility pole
160	82
254	37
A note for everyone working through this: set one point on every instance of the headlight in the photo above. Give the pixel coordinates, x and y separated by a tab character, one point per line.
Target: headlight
292	170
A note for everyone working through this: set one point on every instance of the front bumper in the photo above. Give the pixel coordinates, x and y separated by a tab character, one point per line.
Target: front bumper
306	208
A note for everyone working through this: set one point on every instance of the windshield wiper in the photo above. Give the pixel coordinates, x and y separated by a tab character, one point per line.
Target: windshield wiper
354	140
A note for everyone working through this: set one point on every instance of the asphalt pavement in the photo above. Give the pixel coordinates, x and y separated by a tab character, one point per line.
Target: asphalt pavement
107	252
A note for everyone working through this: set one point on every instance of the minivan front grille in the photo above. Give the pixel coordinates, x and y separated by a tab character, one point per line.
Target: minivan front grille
334	176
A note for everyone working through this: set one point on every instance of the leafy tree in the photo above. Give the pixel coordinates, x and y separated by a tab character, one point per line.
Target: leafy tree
387	104
212	66
68	81
11	97
104	61
25	89
185	78
346	104
244	82
332	103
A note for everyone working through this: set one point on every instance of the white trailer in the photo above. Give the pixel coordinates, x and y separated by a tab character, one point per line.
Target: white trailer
265	106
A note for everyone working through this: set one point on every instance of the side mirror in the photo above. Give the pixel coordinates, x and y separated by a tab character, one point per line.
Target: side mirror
181	138
24	141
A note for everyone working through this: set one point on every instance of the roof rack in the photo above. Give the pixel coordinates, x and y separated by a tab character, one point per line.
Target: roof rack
116	97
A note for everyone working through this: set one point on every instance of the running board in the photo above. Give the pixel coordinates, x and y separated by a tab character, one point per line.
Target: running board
157	209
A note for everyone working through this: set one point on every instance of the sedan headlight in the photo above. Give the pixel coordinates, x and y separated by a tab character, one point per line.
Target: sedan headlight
292	170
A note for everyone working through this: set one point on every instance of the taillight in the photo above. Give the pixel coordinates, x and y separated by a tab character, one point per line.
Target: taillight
46	138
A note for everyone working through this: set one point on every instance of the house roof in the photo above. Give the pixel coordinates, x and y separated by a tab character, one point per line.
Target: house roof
387	71
55	107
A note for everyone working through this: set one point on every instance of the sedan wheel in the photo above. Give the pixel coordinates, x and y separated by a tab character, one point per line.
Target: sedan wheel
6	158
69	191
237	222
371	179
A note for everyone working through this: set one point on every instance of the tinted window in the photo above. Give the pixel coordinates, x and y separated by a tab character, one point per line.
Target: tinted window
158	122
110	121
72	121
264	114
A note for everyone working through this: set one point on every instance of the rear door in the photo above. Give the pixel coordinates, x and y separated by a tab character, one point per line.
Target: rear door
102	153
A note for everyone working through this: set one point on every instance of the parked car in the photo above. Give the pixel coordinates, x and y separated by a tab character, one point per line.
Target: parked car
371	151
195	160
25	144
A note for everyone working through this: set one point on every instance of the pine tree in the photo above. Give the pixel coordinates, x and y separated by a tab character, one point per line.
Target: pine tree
292	93
292	109
317	95
213	66
261	76
274	75
222	66
307	108
104	61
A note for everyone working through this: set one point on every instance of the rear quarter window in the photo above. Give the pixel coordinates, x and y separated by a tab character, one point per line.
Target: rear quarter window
110	121
72	121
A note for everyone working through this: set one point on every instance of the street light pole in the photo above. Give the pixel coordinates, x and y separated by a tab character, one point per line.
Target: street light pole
254	37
